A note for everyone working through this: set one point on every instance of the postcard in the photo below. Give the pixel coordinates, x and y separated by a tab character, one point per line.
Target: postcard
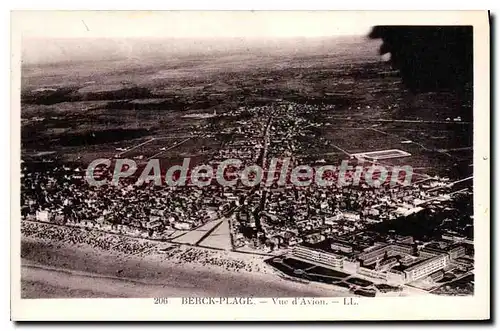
250	165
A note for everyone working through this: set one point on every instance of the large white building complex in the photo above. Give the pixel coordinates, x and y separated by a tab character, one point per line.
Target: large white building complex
396	264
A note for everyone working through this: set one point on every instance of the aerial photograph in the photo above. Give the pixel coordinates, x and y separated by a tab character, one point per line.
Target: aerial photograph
259	164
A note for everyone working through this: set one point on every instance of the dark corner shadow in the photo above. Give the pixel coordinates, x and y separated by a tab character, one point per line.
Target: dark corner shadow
492	172
230	323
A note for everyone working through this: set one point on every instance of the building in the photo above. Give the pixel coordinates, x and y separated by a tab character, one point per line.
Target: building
437	276
381	263
401	248
43	216
433	250
426	267
351	265
378	254
374	255
341	246
317	256
388	264
456	252
373	274
464	263
404	239
314	238
182	226
154	224
351	216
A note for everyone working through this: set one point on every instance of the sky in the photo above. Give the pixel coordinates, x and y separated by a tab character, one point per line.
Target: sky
70	35
196	24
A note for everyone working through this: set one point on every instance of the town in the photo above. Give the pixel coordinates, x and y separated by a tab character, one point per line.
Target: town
313	232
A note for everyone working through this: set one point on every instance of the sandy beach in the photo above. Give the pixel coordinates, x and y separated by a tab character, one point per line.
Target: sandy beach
60	270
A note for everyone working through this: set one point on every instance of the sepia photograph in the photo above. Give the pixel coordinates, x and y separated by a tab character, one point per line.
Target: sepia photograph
211	159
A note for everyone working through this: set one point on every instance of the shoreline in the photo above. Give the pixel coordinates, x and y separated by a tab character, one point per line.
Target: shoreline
96	272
